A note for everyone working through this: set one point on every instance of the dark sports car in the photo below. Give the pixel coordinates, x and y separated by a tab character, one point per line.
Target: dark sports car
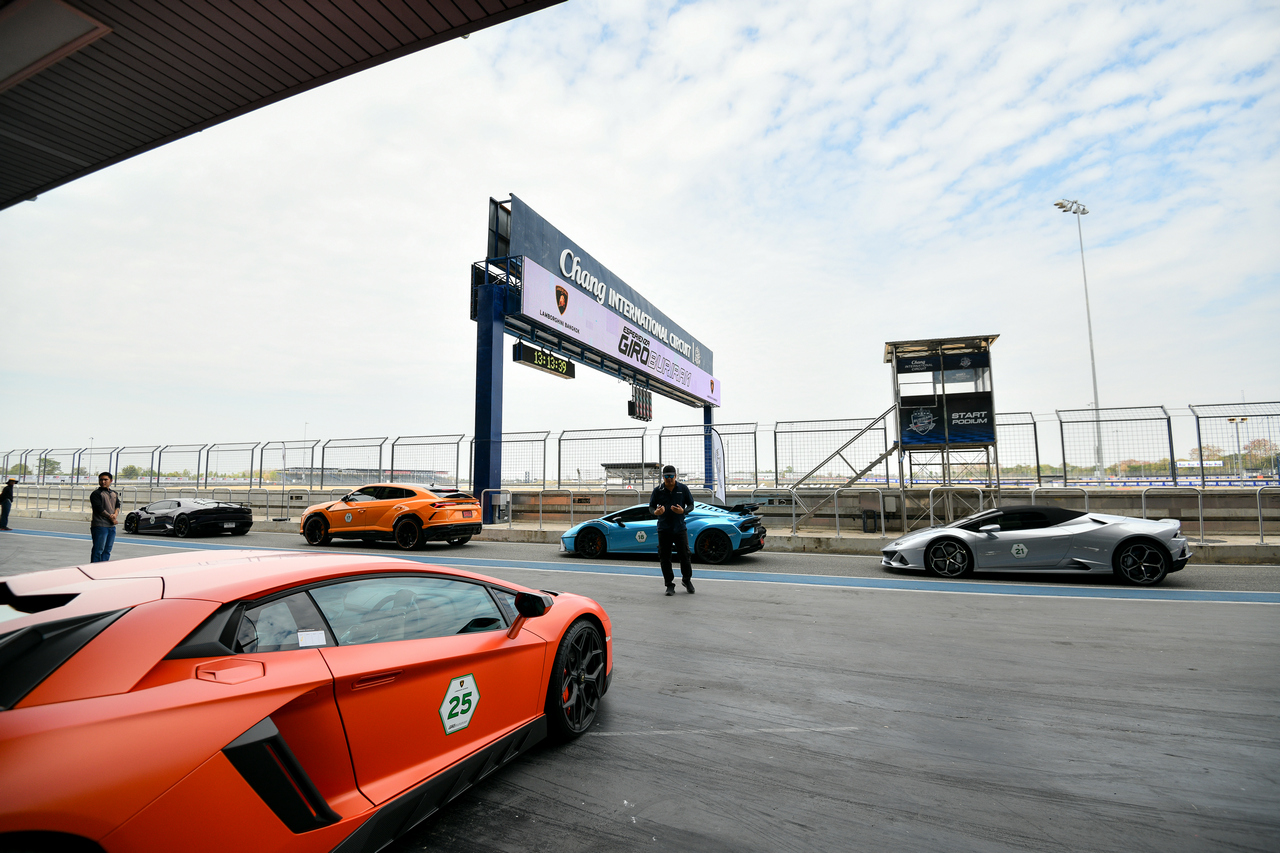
189	516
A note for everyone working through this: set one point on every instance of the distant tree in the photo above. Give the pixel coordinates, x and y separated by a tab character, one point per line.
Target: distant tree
1210	452
50	466
130	472
80	472
20	469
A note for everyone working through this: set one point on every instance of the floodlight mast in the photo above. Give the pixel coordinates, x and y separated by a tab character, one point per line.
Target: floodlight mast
1073	206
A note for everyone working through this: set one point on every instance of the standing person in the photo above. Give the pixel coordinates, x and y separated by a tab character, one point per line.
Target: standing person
670	502
106	506
6	503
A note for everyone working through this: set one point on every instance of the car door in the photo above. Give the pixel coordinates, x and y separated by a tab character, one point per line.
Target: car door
379	513
152	516
351	512
424	674
637	533
1026	540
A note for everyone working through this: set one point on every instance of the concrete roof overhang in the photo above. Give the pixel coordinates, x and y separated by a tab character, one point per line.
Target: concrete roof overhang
88	83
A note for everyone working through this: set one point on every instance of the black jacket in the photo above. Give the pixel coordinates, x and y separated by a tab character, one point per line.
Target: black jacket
679	496
7	494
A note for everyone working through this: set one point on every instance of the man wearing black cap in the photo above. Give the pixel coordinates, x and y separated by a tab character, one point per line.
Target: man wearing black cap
6	503
670	502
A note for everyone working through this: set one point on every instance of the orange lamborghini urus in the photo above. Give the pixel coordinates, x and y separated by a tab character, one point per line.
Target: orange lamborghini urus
409	515
310	702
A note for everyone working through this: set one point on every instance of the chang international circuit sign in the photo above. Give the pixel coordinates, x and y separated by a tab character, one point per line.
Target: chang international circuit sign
570	293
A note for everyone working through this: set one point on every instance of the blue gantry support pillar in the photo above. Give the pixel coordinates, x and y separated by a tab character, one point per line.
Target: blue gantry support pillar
487	473
708	472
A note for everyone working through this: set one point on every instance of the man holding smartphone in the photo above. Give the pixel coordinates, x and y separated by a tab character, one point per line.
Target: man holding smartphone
671	501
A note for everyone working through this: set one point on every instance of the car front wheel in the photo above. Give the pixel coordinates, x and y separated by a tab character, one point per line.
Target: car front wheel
713	547
130	523
577	681
948	558
1141	562
182	527
590	543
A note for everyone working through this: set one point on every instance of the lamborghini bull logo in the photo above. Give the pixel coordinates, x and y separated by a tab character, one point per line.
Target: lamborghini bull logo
562	299
922	421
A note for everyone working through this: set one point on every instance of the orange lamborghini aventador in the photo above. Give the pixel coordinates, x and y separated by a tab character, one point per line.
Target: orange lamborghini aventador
310	702
409	515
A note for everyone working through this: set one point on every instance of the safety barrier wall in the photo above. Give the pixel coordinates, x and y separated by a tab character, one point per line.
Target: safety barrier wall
1203	512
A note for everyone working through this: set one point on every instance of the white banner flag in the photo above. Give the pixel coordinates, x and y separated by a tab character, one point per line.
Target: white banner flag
718	468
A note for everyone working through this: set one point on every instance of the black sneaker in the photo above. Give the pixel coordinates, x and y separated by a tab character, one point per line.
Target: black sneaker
688	585
671	589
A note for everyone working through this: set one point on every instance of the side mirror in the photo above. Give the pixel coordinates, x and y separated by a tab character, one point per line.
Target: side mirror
529	605
619	522
989	528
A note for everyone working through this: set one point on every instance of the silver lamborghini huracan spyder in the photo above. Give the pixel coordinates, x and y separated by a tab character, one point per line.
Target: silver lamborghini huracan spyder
1044	539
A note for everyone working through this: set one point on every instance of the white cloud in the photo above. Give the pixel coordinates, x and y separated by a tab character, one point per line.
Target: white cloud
795	183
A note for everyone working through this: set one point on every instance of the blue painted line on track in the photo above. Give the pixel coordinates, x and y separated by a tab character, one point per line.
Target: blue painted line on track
897	584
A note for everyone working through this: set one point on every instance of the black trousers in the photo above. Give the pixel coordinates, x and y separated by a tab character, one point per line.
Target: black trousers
680	539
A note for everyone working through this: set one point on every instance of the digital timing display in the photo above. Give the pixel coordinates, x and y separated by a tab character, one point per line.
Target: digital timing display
544	361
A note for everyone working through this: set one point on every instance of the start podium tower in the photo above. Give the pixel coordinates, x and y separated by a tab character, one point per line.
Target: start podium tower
946	410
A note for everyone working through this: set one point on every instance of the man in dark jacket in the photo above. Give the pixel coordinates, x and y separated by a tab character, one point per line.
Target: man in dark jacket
6	503
670	502
106	506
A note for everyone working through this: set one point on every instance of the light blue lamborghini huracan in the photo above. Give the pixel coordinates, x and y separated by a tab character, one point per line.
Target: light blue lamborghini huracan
715	533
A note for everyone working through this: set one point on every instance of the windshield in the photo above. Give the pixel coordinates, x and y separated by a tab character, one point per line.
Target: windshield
967	519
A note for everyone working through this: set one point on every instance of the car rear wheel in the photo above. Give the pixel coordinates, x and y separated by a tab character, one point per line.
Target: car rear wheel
948	558
316	531
713	546
1142	562
408	534
590	543
131	523
577	681
182	527
459	540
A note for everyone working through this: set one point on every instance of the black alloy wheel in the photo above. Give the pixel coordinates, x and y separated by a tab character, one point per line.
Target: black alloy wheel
459	540
182	527
590	543
316	531
408	534
1141	562
577	681
131	523
948	558
714	547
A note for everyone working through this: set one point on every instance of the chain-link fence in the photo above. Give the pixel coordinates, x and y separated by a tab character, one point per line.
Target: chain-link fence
429	460
1237	444
289	463
686	447
1018	444
524	459
95	460
800	446
57	465
351	461
179	463
136	464
1120	446
598	458
230	463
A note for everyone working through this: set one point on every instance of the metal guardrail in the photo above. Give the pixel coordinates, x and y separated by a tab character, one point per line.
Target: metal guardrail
1199	504
1060	489
786	491
835	502
1262	538
568	492
625	490
507	492
952	490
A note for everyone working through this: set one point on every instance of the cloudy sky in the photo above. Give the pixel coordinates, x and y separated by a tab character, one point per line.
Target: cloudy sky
795	183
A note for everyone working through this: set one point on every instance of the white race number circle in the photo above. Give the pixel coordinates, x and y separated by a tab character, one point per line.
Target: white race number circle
641	536
460	702
1019	550
348	518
